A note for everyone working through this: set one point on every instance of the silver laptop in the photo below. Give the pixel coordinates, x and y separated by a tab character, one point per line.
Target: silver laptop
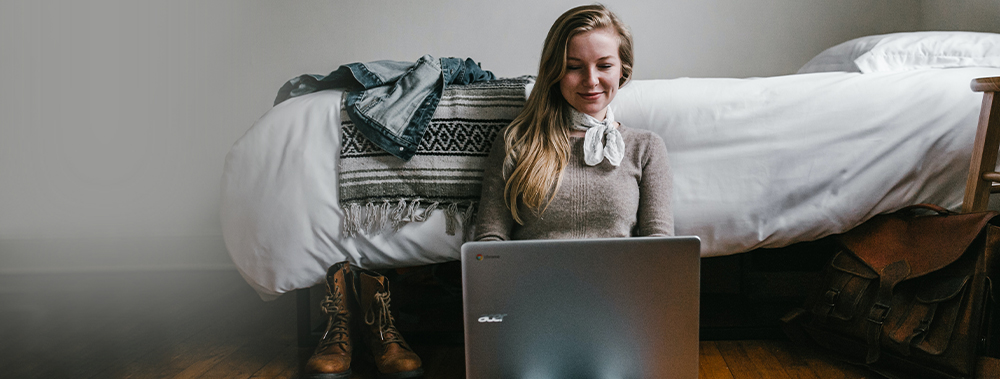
595	308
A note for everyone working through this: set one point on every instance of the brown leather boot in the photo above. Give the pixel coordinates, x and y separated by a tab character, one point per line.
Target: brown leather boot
332	357
393	357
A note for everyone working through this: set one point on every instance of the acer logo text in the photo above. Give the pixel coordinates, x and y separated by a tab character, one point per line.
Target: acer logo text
492	318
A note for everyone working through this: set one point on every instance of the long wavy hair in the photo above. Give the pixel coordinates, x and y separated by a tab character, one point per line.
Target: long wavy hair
537	142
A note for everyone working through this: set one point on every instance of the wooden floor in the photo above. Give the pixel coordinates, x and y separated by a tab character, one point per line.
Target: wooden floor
210	324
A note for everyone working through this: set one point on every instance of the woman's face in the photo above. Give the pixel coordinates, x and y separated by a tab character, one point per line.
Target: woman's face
593	71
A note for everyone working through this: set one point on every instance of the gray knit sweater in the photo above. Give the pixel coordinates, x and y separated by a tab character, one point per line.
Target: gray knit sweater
632	199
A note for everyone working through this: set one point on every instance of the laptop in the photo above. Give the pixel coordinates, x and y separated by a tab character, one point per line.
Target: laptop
593	308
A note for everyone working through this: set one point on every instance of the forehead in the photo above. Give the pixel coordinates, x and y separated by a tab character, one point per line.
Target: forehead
593	45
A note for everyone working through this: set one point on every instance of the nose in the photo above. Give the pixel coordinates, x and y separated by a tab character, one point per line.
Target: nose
591	79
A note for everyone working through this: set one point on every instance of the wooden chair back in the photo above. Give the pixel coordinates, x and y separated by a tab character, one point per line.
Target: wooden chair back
984	152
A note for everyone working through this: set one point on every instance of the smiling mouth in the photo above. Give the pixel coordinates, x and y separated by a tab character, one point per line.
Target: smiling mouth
591	95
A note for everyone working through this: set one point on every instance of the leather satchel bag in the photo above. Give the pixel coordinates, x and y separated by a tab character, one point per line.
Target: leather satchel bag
910	296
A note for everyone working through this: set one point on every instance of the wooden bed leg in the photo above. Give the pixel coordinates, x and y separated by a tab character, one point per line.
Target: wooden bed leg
984	151
303	321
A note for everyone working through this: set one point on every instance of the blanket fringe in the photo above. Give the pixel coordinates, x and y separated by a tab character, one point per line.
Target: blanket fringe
373	219
468	218
451	214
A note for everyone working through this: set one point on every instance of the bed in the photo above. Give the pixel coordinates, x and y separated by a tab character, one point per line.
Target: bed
861	130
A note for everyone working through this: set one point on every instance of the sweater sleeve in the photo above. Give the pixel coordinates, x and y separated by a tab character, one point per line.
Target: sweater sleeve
656	217
494	221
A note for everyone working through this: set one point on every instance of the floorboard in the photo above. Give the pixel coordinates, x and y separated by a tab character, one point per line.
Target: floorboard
210	324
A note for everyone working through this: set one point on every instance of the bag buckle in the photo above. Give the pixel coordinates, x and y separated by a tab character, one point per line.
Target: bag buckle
830	297
878	313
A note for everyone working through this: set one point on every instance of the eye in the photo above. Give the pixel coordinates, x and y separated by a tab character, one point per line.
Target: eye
572	68
606	66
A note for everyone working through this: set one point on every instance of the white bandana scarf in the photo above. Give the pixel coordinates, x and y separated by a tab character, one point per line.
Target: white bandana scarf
594	149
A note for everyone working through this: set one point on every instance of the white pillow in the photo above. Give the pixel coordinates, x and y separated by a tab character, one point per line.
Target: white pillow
842	56
909	51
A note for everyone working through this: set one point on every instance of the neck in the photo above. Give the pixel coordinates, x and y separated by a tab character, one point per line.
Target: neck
580	119
600	116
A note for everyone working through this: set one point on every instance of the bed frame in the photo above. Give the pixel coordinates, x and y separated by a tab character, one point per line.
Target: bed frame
752	276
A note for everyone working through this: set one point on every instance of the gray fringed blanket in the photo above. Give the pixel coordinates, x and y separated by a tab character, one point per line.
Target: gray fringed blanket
380	192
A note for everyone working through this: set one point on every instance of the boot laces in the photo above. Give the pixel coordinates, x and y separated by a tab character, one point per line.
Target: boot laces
386	328
337	323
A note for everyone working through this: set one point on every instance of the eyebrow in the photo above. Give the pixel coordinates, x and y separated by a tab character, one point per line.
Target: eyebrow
600	59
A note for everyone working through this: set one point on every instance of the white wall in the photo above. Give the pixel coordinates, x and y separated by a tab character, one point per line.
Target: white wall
971	15
116	115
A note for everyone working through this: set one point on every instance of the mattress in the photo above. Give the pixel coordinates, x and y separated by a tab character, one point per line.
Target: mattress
757	162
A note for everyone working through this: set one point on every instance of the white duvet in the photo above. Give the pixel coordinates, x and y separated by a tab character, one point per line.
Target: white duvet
760	162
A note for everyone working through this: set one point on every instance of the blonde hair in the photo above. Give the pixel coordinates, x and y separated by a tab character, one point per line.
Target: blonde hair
537	141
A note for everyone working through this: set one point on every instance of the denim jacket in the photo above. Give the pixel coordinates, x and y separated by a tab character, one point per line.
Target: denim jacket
391	102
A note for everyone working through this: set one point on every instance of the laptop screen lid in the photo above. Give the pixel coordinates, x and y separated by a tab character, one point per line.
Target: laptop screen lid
589	308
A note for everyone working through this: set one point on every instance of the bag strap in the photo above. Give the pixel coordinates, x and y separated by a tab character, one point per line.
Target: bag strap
889	276
931	207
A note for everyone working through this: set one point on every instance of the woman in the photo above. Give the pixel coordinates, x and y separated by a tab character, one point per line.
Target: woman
564	168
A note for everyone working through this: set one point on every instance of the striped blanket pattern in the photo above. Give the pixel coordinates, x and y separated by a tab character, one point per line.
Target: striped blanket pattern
379	192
